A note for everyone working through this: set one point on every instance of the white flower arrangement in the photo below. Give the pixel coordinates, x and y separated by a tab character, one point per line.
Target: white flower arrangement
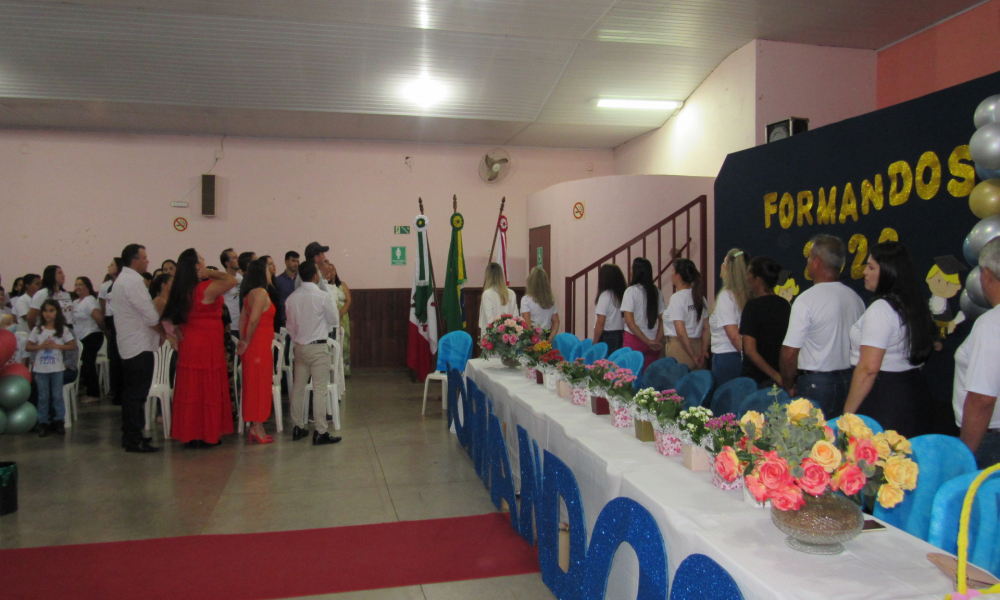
691	425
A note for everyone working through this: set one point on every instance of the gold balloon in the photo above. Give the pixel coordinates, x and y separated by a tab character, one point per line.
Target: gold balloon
985	198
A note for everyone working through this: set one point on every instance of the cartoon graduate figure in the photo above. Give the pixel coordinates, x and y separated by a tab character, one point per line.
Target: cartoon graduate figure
786	287
944	283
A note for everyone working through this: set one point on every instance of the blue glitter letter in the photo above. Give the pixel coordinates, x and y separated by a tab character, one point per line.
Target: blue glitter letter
501	479
528	486
456	390
558	480
625	520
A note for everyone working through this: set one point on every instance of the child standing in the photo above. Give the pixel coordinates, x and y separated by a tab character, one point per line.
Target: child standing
48	340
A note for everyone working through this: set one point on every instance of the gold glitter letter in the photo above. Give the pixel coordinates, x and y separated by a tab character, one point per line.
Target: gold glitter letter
928	160
848	204
964	173
899	194
805	203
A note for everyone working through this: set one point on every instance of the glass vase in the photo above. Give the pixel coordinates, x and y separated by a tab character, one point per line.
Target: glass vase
821	525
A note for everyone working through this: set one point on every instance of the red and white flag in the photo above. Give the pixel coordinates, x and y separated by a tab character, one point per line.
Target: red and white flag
502	255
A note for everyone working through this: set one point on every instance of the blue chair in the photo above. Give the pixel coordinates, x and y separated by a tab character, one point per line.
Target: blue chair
565	343
941	458
617	354
675	373
694	388
728	396
454	349
761	400
700	578
656	375
631	360
596	352
579	349
983	525
870	422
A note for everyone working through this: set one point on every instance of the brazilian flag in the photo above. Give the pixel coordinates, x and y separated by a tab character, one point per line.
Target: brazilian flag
453	304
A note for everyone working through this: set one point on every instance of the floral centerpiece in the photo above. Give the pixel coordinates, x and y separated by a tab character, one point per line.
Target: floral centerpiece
667	407
507	337
577	376
548	364
792	458
620	395
692	425
531	357
599	386
724	431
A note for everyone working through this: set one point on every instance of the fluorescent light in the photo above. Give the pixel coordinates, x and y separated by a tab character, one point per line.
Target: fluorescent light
639	104
424	17
425	92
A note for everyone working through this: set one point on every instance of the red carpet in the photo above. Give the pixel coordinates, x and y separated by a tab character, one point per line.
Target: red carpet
271	565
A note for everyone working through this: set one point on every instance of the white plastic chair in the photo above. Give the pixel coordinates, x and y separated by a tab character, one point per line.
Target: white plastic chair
333	390
71	392
103	368
161	389
288	366
443	378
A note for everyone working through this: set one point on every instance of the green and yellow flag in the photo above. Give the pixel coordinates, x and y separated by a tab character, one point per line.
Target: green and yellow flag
453	305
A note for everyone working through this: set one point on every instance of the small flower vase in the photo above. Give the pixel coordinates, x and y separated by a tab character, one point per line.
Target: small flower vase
821	525
621	416
511	362
563	388
667	444
599	405
695	457
644	431
720	482
749	499
580	396
551	379
539	377
530	373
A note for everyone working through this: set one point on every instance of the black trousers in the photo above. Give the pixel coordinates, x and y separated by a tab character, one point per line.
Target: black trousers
116	370
138	378
88	368
899	401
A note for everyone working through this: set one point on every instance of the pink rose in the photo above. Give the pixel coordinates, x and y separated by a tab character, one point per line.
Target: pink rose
535	339
757	490
489	346
862	450
501	328
848	479
538	329
727	464
774	473
787	498
828	434
814	478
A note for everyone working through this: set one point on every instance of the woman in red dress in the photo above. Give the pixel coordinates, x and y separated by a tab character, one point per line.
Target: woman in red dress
202	412
257	326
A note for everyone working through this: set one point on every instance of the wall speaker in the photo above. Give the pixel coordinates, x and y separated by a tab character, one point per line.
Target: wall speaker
785	128
208	195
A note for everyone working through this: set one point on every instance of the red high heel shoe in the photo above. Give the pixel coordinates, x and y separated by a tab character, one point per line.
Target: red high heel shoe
252	438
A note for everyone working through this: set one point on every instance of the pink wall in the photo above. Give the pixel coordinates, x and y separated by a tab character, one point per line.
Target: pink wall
76	199
952	52
617	209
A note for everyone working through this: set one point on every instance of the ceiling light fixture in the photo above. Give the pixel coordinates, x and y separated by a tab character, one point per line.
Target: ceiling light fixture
425	92
639	104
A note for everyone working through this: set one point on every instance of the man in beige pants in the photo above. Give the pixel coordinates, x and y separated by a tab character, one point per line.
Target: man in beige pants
310	316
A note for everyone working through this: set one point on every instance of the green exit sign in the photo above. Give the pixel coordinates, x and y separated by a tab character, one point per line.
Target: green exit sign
403	229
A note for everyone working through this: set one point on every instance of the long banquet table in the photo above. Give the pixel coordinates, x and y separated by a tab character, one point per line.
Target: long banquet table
694	516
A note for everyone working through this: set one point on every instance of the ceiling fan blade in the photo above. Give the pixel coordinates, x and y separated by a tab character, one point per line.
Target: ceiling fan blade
493	175
502	161
489	161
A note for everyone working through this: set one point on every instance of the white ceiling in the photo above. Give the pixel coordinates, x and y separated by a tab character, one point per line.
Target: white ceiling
519	72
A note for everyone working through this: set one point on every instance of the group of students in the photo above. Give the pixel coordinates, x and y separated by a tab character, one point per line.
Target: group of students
825	346
199	310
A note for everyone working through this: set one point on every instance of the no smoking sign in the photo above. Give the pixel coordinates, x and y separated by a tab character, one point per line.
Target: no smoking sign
579	210
180	224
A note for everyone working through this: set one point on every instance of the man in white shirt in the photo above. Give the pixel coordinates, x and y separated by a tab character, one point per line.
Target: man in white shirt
138	336
816	353
231	265
977	378
310	316
316	253
22	304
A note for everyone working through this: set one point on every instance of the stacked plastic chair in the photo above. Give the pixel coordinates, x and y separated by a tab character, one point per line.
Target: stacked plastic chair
761	400
728	396
594	353
965	522
662	374
454	349
565	343
630	360
617	354
694	388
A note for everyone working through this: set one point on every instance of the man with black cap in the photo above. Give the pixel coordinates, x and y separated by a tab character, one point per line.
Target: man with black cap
316	254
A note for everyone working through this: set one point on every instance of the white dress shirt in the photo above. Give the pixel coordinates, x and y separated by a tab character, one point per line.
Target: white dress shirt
310	314
976	365
232	300
135	315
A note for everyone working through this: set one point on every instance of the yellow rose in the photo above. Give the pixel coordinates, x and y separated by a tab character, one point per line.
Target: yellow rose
799	409
756	418
818	415
826	455
889	495
901	472
882	445
852	425
898	442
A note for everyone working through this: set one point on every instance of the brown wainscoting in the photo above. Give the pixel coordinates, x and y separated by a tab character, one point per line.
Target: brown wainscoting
380	324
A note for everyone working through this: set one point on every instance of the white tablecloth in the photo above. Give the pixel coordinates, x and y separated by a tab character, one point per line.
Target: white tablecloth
694	516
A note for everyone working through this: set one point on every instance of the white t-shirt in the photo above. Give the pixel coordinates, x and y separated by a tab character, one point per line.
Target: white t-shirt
540	317
85	323
104	294
634	301
61	297
232	300
820	326
881	327
726	313
976	364
22	304
49	361
681	308
607	305
490	307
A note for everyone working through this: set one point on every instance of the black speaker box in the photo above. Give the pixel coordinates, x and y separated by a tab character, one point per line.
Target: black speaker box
208	195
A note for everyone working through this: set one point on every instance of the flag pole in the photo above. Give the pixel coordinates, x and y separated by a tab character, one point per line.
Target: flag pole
430	269
496	230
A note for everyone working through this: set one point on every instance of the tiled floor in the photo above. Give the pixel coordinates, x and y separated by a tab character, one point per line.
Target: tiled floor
392	465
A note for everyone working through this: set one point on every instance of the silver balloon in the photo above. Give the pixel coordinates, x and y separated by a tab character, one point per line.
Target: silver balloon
974	286
985	146
988	111
21	419
970	309
970	258
983	231
3	421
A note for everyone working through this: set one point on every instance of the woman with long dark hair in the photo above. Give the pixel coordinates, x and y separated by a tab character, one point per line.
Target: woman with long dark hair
89	329
53	279
684	319
159	289
763	323
202	412
889	343
17	288
609	326
256	334
642	305
343	305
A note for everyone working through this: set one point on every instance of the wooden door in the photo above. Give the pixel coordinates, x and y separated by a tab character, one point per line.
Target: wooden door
539	245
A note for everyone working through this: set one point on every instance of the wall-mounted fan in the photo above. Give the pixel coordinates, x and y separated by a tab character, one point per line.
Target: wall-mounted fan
494	165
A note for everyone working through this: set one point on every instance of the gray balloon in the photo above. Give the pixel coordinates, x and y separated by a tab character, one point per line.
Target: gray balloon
988	111
970	309
21	419
985	146
3	421
974	286
984	231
